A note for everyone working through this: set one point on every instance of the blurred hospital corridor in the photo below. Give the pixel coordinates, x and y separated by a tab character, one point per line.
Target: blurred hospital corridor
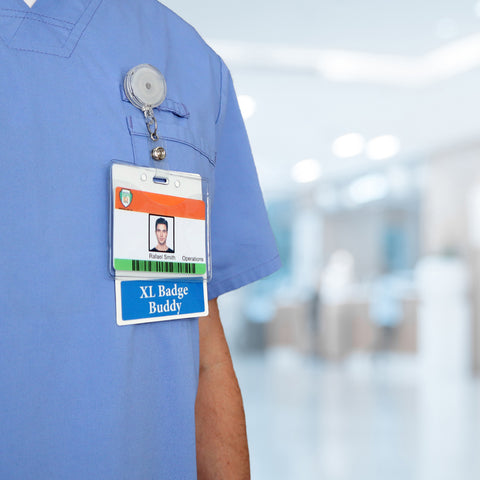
360	358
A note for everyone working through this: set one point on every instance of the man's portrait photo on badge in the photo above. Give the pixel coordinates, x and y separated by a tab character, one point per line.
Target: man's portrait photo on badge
162	234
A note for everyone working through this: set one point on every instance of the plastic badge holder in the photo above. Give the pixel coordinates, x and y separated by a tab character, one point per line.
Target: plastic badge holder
145	200
159	244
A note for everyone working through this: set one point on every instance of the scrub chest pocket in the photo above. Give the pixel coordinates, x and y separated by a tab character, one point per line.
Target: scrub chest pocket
186	150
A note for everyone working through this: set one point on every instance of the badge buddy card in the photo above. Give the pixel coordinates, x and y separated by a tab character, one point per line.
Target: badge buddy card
159	245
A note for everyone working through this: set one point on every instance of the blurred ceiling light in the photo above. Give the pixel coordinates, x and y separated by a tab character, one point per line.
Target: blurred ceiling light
368	188
383	147
307	170
456	57
348	66
348	145
247	106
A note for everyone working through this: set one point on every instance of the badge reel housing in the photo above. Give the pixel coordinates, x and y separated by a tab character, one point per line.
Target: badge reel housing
146	89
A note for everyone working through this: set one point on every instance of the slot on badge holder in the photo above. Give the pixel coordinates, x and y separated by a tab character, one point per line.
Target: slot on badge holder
161	180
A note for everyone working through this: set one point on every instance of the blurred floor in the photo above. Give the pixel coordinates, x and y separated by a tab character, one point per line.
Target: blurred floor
365	419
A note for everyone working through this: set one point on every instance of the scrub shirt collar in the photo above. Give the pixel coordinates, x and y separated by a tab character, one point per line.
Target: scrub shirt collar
49	27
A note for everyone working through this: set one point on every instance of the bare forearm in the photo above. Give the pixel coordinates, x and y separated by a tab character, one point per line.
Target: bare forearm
222	450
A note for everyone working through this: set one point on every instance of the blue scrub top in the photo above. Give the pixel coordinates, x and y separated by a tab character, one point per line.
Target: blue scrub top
82	398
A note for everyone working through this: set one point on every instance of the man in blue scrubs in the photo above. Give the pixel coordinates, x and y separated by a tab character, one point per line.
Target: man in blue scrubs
82	398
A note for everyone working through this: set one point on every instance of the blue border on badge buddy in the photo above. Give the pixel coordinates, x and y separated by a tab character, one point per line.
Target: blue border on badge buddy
149	299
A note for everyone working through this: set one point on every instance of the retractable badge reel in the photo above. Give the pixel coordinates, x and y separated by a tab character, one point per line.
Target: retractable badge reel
146	88
159	222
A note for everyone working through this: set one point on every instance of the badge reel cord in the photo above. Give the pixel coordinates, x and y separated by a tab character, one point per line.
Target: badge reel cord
146	89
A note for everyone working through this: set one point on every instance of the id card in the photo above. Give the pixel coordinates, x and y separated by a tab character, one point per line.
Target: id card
159	254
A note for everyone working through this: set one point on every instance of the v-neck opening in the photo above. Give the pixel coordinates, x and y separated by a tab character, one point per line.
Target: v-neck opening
45	28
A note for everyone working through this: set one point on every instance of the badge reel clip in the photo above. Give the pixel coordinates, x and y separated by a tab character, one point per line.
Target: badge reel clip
146	88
